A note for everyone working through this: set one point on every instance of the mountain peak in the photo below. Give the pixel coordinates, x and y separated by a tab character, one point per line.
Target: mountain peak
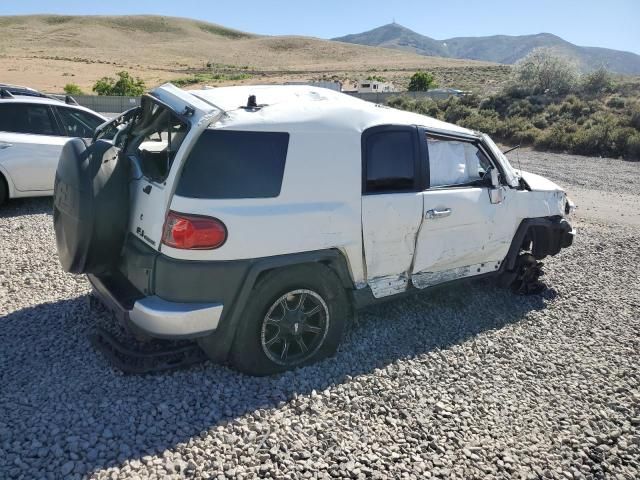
504	49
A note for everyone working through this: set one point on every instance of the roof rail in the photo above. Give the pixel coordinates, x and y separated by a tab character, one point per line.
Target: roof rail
69	100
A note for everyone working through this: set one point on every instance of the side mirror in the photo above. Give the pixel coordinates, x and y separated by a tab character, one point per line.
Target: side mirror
496	194
495	180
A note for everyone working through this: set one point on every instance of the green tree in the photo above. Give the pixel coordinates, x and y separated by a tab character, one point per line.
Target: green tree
72	89
542	71
124	85
421	82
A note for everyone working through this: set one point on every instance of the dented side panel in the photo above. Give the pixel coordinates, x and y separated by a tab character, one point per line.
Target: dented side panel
390	223
476	232
429	279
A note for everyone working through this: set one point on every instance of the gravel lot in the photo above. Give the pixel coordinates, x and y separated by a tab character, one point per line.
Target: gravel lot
470	382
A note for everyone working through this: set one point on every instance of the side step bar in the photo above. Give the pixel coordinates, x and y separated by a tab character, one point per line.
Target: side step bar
136	361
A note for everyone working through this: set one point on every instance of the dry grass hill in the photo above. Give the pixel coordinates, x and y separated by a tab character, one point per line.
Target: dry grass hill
47	52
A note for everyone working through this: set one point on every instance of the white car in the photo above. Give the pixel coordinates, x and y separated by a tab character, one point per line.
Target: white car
33	129
255	219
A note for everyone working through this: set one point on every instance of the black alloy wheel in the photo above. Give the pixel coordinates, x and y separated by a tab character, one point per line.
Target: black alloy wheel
294	327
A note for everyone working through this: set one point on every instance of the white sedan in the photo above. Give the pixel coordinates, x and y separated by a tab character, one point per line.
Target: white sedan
33	130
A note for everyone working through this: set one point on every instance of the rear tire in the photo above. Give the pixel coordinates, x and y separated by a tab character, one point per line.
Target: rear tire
295	316
4	190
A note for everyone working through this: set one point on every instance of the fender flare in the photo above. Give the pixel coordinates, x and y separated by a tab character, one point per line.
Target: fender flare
548	235
222	340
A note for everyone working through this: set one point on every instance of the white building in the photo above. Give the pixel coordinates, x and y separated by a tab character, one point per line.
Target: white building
374	86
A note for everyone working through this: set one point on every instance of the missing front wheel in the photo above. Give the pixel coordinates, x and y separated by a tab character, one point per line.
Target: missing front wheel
527	276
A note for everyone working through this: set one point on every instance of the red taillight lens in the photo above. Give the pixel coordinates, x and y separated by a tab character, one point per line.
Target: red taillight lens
193	232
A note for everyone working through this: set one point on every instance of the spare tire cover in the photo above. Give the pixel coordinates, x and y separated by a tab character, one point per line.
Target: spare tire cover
90	206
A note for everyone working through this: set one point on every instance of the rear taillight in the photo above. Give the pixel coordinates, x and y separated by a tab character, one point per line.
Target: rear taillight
193	232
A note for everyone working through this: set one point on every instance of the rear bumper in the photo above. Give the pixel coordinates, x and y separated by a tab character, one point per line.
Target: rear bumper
154	316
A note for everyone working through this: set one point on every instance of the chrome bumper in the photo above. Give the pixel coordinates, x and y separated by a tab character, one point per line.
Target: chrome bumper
157	317
160	318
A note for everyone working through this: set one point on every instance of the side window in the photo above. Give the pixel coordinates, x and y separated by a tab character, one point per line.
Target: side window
235	164
390	163
77	123
455	162
27	118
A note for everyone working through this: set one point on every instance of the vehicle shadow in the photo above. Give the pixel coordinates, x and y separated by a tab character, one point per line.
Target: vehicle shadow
62	400
17	207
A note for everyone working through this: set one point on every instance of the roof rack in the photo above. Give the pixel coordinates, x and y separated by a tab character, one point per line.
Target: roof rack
9	91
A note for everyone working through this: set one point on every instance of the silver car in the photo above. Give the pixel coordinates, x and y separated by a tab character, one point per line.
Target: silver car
33	129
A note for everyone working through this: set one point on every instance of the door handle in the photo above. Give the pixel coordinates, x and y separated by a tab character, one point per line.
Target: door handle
5	145
434	213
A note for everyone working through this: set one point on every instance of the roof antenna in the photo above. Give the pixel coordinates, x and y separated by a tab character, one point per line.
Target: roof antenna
252	102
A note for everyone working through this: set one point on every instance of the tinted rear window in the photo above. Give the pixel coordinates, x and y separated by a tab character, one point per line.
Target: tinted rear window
390	162
27	118
233	164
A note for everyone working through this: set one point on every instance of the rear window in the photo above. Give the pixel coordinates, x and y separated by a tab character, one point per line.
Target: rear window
234	164
390	162
27	118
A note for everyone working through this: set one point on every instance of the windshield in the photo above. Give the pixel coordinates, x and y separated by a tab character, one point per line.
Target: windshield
510	173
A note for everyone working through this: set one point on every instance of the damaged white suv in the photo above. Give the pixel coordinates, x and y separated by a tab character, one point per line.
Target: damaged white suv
255	219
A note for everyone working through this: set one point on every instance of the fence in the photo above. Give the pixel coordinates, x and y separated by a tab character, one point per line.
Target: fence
383	97
106	104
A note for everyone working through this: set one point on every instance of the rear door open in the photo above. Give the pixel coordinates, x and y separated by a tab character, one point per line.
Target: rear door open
161	135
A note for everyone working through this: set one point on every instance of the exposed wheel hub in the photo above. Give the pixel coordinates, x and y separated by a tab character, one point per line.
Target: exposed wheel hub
529	271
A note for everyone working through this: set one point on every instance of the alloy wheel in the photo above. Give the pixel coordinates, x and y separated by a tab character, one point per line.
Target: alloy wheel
294	327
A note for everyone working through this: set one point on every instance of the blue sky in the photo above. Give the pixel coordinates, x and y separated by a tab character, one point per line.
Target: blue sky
611	23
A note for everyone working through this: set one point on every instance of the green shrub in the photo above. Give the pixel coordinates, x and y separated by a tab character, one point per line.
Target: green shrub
598	81
590	141
72	89
540	121
470	100
486	121
424	106
616	102
574	108
526	137
633	147
558	137
427	106
454	111
209	77
634	117
421	82
511	127
124	85
498	103
520	108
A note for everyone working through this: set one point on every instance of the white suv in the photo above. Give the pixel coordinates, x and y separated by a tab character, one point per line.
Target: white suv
33	129
255	219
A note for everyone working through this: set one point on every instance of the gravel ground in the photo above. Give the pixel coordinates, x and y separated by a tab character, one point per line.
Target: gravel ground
470	382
